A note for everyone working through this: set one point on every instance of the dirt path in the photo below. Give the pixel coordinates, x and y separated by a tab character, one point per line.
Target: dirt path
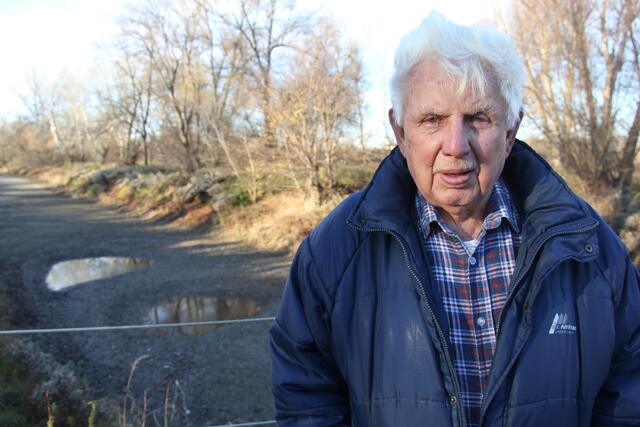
224	373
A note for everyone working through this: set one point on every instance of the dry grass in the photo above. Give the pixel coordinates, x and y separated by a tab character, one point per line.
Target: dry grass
195	214
277	222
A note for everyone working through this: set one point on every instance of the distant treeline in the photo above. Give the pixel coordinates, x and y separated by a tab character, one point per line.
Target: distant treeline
243	86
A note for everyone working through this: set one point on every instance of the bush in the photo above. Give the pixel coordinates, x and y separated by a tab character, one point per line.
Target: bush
350	178
237	192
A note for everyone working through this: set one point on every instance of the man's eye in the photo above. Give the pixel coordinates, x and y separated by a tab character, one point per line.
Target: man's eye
480	118
432	119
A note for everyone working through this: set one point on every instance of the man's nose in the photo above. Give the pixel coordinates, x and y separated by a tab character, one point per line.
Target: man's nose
457	139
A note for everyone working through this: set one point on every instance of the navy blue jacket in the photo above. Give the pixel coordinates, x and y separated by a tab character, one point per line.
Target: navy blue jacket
361	337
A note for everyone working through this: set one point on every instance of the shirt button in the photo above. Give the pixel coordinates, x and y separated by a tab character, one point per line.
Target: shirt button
472	260
453	400
481	321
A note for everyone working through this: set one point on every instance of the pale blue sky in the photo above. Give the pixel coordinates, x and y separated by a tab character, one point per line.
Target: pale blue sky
55	35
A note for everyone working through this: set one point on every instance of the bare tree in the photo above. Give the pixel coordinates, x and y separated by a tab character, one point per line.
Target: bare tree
225	64
44	102
167	32
63	108
122	107
267	27
129	93
37	100
583	91
317	106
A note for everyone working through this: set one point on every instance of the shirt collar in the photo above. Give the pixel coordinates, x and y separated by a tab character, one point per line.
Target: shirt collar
500	206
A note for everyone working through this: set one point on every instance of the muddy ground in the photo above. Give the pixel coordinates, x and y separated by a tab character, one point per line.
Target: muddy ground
223	374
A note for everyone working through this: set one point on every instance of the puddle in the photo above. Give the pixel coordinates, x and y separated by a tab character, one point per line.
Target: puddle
197	309
70	273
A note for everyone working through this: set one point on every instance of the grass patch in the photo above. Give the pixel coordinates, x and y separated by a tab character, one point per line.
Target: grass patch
26	374
237	191
350	178
16	379
277	222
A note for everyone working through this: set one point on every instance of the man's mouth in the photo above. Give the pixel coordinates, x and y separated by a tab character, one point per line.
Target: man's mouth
456	177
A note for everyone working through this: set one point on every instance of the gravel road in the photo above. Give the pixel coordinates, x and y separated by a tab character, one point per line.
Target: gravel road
223	374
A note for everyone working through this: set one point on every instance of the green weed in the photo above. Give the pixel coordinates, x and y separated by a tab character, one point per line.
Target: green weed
237	191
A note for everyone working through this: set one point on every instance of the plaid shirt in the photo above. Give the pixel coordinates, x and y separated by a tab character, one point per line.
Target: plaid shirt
473	285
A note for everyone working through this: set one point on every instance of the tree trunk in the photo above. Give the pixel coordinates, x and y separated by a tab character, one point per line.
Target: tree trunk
58	139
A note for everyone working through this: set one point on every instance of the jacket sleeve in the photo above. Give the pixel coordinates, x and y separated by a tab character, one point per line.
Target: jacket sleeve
308	388
618	402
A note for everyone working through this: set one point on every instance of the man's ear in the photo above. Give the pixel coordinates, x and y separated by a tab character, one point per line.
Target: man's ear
398	131
511	133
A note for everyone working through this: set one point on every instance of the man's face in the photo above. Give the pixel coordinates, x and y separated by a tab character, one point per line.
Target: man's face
455	144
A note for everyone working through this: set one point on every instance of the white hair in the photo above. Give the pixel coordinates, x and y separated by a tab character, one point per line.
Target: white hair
466	53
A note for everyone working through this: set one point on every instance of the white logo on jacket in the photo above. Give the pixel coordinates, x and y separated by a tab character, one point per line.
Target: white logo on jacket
560	325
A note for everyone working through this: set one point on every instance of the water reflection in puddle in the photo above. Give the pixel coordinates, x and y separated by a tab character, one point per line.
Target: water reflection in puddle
198	309
70	273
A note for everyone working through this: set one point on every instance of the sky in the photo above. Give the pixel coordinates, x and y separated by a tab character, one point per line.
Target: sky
49	36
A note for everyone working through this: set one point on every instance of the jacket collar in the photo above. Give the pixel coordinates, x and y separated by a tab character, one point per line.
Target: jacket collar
543	199
387	202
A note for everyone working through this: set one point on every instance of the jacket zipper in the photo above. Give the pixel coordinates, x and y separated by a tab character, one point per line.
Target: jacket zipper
423	293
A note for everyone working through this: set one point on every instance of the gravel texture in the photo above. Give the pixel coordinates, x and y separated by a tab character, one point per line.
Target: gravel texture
217	377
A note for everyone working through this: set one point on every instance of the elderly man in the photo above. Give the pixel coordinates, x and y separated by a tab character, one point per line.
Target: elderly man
466	285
